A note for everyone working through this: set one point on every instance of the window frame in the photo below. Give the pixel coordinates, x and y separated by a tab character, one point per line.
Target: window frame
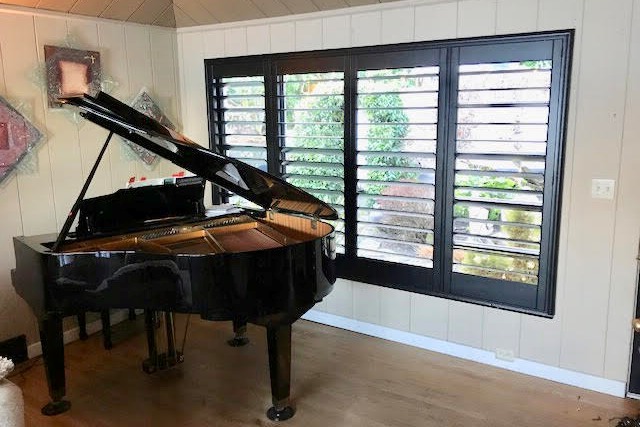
437	281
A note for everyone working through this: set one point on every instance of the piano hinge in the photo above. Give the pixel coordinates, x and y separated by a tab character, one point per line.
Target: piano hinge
314	220
274	207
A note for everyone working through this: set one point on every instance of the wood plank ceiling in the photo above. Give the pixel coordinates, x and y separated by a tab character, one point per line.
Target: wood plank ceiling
186	13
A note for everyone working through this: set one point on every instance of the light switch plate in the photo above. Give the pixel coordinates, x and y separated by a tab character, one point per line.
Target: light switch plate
603	188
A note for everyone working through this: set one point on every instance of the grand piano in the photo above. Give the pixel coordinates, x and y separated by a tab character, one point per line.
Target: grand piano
158	250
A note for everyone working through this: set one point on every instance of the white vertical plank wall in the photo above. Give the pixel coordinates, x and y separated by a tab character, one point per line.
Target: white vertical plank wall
19	58
258	40
366	29
90	136
590	334
623	267
113	55
10	206
308	35
602	102
282	37
63	143
36	200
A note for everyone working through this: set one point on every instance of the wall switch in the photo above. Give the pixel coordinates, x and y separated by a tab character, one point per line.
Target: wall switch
504	354
603	188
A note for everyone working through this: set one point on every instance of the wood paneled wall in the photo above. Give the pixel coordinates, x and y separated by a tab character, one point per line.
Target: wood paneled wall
37	201
599	238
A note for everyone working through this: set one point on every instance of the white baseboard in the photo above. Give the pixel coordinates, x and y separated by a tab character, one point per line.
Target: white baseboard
73	334
553	373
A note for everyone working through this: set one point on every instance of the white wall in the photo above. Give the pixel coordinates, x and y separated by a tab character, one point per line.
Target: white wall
598	244
37	201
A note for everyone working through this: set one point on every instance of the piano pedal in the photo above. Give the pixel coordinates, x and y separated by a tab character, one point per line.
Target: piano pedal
162	362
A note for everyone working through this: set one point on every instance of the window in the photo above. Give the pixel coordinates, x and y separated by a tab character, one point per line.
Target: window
442	159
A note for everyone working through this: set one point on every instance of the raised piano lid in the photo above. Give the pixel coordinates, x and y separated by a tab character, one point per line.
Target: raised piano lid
260	187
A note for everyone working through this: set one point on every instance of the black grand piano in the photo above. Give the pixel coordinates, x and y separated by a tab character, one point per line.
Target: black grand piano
156	249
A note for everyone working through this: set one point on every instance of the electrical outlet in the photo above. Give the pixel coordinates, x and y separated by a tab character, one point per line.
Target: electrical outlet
603	188
504	354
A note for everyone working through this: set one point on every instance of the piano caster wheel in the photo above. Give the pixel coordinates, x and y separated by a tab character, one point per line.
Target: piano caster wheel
55	408
280	415
238	341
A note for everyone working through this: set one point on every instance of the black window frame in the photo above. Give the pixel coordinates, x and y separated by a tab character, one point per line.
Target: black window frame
437	281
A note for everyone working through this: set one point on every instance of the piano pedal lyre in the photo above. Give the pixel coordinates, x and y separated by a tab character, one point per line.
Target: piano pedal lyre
160	361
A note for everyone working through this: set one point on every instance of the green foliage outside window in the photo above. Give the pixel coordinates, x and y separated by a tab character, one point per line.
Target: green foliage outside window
320	124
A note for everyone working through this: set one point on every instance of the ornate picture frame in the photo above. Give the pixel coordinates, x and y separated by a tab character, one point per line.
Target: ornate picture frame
18	136
71	72
144	103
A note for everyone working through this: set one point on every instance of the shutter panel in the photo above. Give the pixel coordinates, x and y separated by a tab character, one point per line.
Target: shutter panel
311	136
241	120
396	131
501	143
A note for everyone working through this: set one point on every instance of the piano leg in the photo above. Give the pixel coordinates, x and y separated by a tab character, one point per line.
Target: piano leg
279	342
240	334
53	355
106	329
82	325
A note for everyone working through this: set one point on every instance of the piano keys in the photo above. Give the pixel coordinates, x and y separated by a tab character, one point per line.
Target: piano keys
266	267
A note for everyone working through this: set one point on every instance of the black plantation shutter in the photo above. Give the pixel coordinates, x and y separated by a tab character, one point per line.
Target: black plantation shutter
311	132
395	141
239	121
443	159
497	226
396	157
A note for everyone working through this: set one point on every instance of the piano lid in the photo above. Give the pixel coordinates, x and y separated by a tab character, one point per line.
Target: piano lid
260	187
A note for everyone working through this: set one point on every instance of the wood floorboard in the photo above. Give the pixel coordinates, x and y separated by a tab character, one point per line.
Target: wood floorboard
339	378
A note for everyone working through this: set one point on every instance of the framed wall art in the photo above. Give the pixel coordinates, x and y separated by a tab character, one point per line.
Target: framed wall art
144	103
18	136
70	72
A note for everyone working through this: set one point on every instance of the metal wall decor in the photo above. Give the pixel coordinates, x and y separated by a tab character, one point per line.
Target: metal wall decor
18	136
71	72
144	103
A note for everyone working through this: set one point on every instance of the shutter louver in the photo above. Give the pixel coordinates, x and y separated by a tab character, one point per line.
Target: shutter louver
501	143
396	131
242	121
311	135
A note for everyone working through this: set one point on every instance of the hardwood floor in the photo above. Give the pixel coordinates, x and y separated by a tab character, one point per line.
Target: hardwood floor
339	378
